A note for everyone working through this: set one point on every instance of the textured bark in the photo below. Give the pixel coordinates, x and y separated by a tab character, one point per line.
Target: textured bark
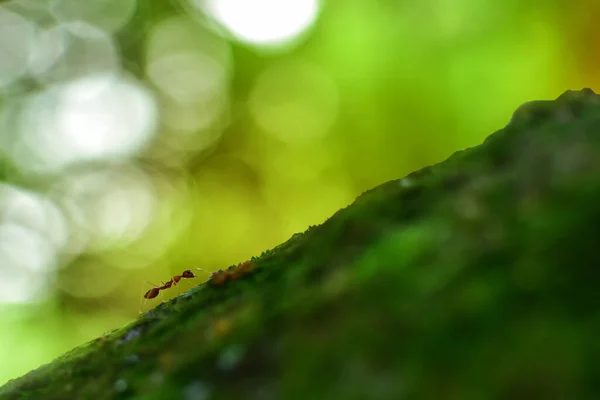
476	278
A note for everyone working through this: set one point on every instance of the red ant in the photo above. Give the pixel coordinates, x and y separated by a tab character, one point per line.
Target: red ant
217	278
152	293
155	291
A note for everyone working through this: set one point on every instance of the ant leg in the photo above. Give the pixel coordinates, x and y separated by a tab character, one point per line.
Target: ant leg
164	286
175	283
141	297
140	312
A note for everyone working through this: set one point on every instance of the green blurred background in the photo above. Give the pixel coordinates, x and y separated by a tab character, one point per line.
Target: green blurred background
142	138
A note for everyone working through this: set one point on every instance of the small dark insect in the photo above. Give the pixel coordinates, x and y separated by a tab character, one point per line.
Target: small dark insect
155	291
217	278
185	274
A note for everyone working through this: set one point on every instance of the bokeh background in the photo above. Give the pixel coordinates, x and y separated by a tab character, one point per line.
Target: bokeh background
142	138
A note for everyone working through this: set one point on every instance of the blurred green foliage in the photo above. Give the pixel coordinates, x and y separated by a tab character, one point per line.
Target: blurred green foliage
473	278
283	138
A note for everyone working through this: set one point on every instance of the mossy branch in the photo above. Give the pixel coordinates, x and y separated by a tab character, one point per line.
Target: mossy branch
473	278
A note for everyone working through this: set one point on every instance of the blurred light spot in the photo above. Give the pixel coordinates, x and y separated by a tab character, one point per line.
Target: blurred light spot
196	390
172	214
91	118
406	182
34	212
230	357
16	42
188	77
180	35
25	248
191	66
108	15
197	87
108	206
132	334
49	45
266	22
120	385
295	102
100	117
85	50
33	232
186	120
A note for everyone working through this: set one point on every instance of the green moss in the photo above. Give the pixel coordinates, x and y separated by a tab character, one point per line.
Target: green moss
475	278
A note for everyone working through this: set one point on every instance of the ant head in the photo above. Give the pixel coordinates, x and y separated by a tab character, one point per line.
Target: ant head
188	274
